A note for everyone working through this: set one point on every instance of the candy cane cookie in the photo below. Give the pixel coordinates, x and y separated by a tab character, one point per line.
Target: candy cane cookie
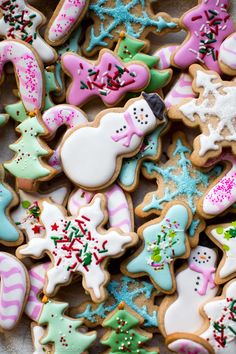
180	90
164	55
67	15
227	55
21	21
119	206
56	117
14	290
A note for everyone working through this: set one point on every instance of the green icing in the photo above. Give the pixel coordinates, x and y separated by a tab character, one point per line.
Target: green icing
17	110
3	118
123	338
25	163
62	330
128	49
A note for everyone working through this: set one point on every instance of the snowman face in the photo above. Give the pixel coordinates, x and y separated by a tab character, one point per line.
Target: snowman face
141	114
202	256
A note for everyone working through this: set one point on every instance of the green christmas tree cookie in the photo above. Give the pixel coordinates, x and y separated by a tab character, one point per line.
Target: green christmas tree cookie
62	331
129	48
126	336
17	110
27	165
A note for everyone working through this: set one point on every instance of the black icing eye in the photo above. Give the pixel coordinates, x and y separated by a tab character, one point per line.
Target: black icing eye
134	109
141	109
209	257
146	115
198	253
205	253
194	257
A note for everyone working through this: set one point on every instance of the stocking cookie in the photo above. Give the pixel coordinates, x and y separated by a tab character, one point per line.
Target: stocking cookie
164	240
66	17
224	235
115	133
138	295
9	234
14	290
136	18
180	90
227	55
177	179
77	244
208	24
119	206
195	285
213	111
27	214
108	78
124	335
21	21
221	194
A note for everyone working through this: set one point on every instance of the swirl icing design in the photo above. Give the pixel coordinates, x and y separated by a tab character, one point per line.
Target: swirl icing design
66	16
28	71
13	290
117	206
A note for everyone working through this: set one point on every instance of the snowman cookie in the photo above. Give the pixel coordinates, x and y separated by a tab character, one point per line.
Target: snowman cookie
114	134
195	285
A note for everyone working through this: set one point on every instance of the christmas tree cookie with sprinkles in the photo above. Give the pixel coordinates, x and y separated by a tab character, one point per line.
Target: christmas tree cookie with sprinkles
21	21
125	335
135	17
207	25
78	244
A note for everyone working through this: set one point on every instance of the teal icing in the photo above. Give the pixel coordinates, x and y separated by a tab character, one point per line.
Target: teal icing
186	183
71	45
8	232
163	242
123	13
149	148
120	291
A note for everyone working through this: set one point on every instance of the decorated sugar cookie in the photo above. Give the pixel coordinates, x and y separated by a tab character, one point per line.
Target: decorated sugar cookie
185	343
119	206
125	335
77	244
180	90
107	78
164	240
21	21
213	111
221	328
177	179
62	331
9	233
224	235
207	24
227	55
14	290
37	333
129	48
136	18
115	133
138	295
195	285
66	17
164	55
27	214
221	194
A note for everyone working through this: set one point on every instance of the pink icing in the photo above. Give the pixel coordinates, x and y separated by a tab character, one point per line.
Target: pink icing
185	346
181	89
65	19
104	79
207	277
27	70
223	194
209	24
164	55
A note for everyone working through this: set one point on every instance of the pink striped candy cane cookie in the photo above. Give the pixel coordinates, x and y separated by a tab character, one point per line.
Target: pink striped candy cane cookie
227	55
181	89
222	194
28	70
37	276
14	290
119	206
66	17
54	118
164	55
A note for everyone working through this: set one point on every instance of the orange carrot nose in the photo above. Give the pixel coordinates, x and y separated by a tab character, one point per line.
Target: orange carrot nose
141	116
202	257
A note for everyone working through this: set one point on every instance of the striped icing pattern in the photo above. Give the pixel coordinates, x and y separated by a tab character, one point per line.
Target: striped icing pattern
164	55
37	276
117	206
227	52
57	116
182	89
13	290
